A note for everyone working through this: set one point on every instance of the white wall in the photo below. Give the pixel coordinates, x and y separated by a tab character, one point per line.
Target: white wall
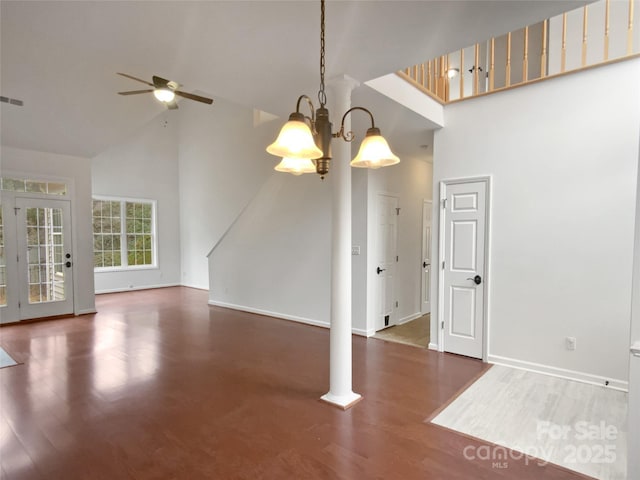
145	166
222	165
563	155
634	373
411	182
277	258
78	170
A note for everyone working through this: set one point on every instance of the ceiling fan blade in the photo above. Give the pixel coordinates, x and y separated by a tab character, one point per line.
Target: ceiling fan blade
159	82
191	96
171	105
136	79
134	92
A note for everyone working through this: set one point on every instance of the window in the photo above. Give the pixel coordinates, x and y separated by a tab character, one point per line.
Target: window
33	186
123	234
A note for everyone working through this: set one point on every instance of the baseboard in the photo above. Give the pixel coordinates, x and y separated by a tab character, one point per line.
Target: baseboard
433	346
614	384
268	313
86	311
284	316
197	287
409	318
142	287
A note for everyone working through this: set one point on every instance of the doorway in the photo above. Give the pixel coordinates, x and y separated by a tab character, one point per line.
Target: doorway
35	258
463	243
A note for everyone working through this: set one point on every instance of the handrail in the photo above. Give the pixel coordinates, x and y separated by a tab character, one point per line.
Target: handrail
546	48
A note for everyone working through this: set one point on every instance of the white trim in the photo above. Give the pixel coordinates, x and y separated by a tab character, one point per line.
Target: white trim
268	313
433	346
409	318
574	375
487	180
197	287
142	287
283	316
86	311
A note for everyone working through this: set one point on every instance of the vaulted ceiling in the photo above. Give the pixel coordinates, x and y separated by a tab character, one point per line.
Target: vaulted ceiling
60	58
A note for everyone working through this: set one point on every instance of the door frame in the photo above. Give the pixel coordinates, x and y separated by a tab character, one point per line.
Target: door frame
442	195
10	196
425	203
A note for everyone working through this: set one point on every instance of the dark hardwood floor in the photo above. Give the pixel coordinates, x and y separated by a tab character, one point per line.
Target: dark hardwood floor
158	385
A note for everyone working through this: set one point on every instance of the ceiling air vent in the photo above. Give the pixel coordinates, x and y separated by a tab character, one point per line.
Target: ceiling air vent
12	101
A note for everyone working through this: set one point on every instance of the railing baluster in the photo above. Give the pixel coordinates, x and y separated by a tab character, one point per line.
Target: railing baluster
630	29
492	64
585	22
606	30
460	73
422	74
507	72
446	79
476	75
525	58
563	55
543	55
429	77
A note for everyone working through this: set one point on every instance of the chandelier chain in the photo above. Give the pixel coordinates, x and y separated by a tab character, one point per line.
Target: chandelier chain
322	96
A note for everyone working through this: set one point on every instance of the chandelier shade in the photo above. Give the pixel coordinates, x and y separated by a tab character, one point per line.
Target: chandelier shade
374	152
296	166
295	140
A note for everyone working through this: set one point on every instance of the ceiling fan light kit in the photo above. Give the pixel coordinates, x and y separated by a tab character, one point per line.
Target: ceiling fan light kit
165	91
307	140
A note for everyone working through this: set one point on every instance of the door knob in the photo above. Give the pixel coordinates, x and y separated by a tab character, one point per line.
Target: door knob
380	270
425	264
477	279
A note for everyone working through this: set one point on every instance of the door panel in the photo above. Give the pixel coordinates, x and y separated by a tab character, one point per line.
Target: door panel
464	217
45	276
386	259
426	257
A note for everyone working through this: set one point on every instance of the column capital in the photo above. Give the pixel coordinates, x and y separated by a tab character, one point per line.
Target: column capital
343	82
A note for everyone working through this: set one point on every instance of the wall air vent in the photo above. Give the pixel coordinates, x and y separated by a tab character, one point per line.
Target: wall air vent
12	101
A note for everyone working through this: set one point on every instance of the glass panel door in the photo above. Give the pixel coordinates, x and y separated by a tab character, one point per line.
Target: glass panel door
45	271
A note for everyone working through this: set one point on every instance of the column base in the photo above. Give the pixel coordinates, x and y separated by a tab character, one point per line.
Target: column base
342	401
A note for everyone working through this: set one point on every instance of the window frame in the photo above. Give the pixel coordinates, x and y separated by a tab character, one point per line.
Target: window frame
125	267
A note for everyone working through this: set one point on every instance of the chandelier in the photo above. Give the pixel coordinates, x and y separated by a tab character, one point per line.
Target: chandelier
304	143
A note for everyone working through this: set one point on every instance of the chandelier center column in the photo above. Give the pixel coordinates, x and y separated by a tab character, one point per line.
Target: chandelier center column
340	382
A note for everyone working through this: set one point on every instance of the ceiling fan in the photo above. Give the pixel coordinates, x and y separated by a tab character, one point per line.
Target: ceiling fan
165	91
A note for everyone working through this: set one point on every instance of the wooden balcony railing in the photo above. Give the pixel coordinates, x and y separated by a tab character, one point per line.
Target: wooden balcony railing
596	34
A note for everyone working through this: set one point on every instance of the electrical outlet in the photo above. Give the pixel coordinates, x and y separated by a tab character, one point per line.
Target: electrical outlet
355	250
570	343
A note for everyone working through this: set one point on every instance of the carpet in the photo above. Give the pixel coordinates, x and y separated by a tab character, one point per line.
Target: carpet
5	359
579	426
415	332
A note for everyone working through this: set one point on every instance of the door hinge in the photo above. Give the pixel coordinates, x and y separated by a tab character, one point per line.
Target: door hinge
397	257
442	325
396	304
444	203
397	210
15	210
443	264
19	304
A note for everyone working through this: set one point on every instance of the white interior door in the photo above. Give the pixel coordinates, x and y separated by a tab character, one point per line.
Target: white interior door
464	227
386	258
44	263
426	257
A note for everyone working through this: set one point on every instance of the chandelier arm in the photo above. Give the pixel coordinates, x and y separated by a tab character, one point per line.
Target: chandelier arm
311	107
349	136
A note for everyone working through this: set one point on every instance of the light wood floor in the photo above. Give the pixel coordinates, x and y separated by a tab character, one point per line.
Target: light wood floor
580	426
158	385
415	332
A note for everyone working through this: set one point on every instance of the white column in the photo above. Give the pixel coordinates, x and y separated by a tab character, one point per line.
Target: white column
340	387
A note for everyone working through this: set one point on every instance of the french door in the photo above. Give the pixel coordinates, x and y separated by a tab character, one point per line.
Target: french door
36	259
